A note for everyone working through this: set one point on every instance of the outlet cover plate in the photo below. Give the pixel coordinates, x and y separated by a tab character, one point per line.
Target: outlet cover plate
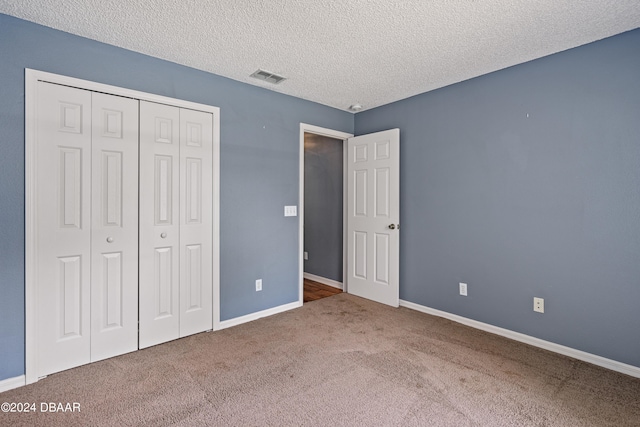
538	305
463	289
258	285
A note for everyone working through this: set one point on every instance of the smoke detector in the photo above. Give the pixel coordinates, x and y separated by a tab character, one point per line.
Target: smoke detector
355	107
268	76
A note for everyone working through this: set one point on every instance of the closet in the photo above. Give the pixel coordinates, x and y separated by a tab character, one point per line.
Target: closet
122	225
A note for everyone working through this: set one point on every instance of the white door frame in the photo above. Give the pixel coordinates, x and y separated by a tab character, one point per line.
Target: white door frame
307	128
31	79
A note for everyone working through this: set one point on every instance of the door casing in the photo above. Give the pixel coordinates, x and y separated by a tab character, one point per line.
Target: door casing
317	130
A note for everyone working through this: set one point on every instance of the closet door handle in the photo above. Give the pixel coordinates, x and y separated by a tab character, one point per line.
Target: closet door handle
163	235
109	239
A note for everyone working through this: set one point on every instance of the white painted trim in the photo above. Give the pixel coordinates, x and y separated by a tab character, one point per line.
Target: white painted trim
332	134
215	250
323	280
31	296
258	315
115	90
11	383
345	189
31	79
603	362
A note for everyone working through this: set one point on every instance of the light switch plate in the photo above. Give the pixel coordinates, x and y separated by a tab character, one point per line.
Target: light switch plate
290	211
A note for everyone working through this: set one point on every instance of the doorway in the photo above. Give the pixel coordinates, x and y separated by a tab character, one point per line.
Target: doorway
322	218
371	213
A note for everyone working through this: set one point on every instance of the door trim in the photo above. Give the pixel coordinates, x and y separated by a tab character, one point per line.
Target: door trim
317	130
32	77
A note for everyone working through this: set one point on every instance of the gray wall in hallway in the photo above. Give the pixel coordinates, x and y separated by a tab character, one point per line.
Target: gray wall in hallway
259	166
526	182
323	206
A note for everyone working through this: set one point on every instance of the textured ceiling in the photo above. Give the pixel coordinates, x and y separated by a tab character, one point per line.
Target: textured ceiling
340	52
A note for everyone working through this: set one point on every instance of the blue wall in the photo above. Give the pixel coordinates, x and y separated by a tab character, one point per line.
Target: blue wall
526	182
259	166
323	170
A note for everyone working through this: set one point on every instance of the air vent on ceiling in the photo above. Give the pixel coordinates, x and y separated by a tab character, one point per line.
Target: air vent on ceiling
267	77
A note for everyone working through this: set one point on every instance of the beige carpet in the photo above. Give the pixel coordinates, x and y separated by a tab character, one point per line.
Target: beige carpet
340	361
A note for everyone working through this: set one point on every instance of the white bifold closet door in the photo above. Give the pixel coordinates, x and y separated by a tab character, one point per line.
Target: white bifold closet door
114	226
87	227
175	222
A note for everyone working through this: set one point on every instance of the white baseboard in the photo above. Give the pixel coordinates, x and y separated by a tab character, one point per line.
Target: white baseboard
255	316
11	383
323	280
613	365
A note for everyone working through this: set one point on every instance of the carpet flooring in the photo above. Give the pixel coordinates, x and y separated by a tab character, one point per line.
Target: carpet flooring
338	361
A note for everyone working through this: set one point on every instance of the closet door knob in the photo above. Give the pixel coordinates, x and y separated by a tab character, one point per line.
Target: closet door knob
163	235
109	239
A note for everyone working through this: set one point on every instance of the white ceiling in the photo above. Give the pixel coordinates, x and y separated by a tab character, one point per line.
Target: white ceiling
340	52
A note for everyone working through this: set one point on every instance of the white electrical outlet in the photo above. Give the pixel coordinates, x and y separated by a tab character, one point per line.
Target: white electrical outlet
463	289
305	255
258	285
538	304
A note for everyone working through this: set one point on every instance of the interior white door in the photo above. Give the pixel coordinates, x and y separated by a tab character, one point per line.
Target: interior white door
63	227
159	223
373	215
196	239
114	230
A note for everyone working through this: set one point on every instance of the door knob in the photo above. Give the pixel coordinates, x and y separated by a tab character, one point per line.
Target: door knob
109	239
392	226
163	235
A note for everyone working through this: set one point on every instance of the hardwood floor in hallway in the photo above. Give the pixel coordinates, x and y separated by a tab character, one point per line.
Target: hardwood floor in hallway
315	291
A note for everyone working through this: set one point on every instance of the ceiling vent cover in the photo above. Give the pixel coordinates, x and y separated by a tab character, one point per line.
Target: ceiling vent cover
268	77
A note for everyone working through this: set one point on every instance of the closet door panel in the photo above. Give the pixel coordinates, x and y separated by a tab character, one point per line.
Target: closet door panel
196	198
159	223
63	227
114	266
